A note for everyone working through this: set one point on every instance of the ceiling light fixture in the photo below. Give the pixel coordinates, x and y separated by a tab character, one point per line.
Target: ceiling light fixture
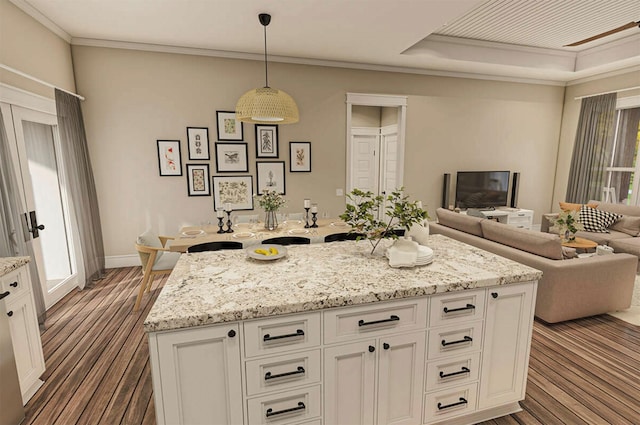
267	105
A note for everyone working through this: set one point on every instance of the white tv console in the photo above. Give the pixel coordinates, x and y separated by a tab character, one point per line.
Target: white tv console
517	217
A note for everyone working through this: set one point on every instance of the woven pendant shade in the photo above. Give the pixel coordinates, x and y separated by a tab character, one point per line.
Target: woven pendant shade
267	106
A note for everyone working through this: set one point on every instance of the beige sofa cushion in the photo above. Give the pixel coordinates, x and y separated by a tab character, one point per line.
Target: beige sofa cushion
618	208
543	244
462	222
627	224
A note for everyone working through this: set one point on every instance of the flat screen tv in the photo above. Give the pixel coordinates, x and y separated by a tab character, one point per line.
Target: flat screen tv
482	189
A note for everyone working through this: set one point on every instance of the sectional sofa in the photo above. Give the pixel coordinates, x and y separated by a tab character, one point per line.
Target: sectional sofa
569	288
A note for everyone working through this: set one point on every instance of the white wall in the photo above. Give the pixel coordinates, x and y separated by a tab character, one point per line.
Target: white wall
135	98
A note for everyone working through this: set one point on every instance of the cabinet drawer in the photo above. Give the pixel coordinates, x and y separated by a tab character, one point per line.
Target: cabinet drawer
16	282
454	340
270	336
283	372
456	307
285	408
449	372
347	324
446	404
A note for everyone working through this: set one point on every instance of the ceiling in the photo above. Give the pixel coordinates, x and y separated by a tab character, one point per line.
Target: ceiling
504	39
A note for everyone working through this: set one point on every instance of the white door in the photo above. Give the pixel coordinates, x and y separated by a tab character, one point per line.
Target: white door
365	147
37	150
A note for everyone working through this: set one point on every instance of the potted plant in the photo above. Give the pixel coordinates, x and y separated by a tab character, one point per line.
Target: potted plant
567	224
271	201
362	215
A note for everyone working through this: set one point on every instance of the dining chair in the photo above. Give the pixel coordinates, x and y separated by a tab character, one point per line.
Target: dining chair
214	246
287	240
339	237
155	259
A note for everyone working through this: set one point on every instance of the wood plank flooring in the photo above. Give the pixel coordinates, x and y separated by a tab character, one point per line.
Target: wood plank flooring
581	372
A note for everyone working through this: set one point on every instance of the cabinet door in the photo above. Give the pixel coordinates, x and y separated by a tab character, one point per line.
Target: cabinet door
349	383
508	326
27	346
400	373
200	376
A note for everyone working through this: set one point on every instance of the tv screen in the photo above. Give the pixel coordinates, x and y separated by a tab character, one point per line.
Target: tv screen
482	189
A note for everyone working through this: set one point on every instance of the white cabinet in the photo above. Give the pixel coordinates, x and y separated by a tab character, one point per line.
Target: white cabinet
512	216
25	332
197	377
506	345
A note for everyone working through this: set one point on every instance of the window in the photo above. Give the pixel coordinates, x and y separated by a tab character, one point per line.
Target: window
623	172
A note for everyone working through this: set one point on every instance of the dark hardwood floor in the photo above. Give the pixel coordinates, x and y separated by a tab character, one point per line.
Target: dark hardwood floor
581	372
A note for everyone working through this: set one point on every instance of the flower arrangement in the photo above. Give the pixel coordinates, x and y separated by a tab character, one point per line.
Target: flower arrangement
271	200
362	210
567	224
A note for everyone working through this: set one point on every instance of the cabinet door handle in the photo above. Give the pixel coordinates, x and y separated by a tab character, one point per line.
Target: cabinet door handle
494	294
447	406
372	348
460	341
9	313
386	346
461	371
300	406
467	307
14	284
268	375
231	333
392	318
4	295
267	337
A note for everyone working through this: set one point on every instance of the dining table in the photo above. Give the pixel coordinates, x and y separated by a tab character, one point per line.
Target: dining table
254	233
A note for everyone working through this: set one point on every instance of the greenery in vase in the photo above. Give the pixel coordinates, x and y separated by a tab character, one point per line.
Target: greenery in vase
568	221
271	200
362	214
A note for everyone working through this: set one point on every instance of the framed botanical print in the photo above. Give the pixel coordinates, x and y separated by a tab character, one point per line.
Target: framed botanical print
198	180
270	176
229	128
198	142
237	191
299	157
266	141
169	159
232	158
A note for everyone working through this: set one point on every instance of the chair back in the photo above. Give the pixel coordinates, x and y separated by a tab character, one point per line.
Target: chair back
288	240
215	246
339	237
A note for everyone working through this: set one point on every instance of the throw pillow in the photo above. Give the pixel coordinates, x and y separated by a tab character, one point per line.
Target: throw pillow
595	220
627	224
567	206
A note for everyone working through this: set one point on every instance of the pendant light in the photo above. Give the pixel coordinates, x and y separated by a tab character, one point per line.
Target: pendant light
266	105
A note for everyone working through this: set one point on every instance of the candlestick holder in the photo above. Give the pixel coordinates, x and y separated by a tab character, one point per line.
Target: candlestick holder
306	217
314	218
229	229
220	225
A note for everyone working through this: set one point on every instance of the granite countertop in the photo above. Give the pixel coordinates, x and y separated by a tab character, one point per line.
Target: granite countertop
9	264
222	286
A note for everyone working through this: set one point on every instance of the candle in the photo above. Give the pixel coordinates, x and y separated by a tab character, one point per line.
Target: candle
307	203
227	206
219	213
314	208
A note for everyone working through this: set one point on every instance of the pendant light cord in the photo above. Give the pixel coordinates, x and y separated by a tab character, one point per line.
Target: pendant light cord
266	70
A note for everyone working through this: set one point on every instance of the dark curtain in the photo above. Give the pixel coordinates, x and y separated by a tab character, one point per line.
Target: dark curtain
592	148
13	235
626	140
75	155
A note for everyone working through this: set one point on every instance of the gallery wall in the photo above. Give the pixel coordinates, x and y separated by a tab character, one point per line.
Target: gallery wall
135	98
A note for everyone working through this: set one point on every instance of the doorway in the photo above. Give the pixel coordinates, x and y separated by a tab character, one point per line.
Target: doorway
35	146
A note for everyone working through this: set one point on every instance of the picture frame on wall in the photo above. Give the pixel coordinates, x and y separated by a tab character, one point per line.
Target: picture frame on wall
266	141
169	158
300	157
229	128
270	175
232	158
236	191
198	143
198	180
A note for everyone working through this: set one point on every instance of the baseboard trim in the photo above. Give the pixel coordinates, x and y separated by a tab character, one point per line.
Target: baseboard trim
116	261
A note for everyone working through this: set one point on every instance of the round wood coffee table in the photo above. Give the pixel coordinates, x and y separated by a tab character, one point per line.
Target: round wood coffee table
580	243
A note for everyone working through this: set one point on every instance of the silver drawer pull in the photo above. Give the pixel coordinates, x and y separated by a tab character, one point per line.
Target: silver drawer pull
268	375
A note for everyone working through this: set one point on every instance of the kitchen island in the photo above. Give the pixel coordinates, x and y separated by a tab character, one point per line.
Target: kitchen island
331	334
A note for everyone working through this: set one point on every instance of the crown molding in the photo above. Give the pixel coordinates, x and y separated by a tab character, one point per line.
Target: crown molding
158	48
627	70
48	23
